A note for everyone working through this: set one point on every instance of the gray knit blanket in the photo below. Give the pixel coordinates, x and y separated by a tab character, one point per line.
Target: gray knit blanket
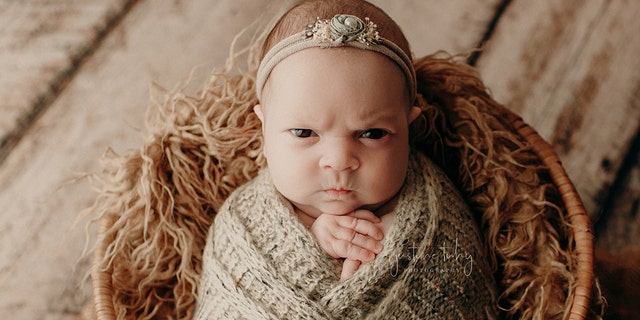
260	262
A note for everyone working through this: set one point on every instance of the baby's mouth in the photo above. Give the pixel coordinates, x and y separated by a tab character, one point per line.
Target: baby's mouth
338	192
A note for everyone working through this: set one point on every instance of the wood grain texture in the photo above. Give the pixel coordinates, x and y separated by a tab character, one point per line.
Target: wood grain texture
455	26
570	69
103	105
41	44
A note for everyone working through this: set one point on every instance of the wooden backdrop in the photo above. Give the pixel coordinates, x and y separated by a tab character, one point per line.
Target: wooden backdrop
75	76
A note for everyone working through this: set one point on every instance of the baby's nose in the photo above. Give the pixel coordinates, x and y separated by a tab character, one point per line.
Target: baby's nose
340	156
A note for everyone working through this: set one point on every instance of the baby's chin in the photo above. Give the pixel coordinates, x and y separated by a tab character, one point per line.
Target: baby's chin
336	208
328	208
344	209
340	212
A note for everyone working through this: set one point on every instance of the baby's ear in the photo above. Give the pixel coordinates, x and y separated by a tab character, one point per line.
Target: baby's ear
414	113
258	110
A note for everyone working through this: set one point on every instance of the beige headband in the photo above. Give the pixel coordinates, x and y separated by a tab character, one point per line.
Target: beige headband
341	30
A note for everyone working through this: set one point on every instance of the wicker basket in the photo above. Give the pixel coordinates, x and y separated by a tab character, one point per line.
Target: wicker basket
580	223
575	214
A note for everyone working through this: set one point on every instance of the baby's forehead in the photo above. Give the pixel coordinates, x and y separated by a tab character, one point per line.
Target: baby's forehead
319	114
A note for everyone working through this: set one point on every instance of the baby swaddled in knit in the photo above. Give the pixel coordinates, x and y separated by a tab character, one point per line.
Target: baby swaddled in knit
260	262
337	99
345	114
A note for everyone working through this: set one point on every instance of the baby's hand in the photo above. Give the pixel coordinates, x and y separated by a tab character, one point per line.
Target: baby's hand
349	266
354	236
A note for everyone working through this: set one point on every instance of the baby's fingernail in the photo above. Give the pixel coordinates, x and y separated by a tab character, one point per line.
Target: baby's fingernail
371	256
378	247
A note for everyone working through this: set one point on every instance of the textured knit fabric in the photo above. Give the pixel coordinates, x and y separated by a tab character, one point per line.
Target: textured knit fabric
260	262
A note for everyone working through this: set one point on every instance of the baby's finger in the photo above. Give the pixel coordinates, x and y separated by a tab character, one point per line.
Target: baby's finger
361	226
367	243
347	250
358	239
349	268
366	215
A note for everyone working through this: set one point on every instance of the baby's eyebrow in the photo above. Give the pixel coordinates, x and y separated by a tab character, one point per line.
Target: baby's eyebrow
379	117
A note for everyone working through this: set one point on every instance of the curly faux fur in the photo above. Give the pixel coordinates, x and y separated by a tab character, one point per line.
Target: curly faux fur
162	198
518	208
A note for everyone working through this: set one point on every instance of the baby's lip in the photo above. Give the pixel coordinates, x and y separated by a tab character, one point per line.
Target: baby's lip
338	191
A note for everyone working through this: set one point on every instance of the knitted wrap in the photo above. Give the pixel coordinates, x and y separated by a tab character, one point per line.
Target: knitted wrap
260	262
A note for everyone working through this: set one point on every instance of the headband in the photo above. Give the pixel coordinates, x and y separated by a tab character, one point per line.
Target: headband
342	30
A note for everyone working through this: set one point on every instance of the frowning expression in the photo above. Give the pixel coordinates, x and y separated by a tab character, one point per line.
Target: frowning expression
335	125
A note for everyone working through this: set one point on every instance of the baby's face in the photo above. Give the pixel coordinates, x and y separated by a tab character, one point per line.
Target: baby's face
335	124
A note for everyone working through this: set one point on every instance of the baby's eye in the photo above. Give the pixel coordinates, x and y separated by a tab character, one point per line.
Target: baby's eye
302	133
374	134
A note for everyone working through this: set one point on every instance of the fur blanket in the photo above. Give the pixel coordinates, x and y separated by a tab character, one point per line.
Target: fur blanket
260	262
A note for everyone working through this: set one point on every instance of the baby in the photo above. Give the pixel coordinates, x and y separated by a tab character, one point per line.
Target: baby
336	133
337	95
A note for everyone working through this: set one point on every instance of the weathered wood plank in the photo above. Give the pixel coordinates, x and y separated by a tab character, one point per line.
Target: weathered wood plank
456	26
41	44
103	106
570	69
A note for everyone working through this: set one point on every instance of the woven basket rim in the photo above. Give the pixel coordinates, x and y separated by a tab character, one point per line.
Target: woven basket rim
581	227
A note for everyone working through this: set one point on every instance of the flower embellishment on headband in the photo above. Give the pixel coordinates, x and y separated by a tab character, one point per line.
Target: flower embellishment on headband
344	28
